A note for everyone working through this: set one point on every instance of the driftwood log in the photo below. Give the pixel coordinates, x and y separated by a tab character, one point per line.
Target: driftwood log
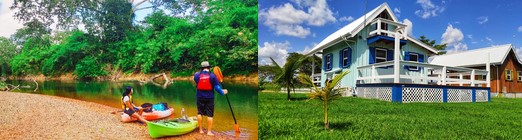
36	85
13	87
151	80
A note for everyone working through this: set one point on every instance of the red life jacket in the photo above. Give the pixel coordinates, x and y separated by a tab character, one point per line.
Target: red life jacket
204	82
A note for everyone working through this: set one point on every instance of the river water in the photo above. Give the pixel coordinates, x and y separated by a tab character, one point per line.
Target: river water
179	94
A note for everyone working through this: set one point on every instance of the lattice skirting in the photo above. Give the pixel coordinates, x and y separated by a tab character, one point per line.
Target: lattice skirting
381	93
407	93
416	94
482	96
459	95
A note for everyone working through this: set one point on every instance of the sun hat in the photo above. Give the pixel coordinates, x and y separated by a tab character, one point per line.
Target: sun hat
205	64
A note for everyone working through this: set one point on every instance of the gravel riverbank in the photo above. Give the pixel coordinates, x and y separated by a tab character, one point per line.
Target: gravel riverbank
34	116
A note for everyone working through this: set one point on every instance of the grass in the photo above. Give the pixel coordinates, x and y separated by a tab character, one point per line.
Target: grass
358	118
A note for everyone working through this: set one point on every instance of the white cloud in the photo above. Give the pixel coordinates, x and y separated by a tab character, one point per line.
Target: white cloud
459	47
304	3
483	19
308	48
276	50
289	20
457	22
8	24
489	39
320	14
519	28
470	36
409	26
453	37
292	30
429	9
349	18
397	11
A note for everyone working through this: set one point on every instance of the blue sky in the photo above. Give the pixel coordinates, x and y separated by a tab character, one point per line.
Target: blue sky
298	25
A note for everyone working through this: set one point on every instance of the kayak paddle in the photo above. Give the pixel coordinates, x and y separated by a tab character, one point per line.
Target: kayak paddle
219	75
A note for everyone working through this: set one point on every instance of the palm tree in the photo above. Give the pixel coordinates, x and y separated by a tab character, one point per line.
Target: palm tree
286	74
326	94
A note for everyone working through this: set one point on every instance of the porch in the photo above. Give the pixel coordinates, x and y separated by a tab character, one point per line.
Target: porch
434	84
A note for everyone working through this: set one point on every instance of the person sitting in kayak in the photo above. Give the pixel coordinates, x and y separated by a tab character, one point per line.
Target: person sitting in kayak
206	84
130	108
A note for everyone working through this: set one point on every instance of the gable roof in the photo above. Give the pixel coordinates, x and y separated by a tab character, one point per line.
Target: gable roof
356	26
477	57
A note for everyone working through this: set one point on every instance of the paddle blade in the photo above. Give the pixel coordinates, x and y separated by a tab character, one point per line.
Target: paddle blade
236	127
217	72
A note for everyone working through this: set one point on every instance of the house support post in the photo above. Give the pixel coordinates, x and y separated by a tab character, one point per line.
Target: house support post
443	75
378	26
396	61
373	74
313	66
488	75
472	78
461	77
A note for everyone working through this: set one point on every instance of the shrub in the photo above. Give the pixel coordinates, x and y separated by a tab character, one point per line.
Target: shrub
89	68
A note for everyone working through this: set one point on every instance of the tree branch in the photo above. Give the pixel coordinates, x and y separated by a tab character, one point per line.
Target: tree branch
139	3
134	10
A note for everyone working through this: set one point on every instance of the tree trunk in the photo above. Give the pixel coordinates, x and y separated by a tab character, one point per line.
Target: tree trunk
325	109
288	91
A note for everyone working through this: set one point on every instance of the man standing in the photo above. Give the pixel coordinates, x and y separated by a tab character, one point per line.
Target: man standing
206	83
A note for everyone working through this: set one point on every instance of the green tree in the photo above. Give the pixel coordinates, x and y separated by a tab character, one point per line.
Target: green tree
327	94
89	68
440	47
7	52
306	66
222	32
287	74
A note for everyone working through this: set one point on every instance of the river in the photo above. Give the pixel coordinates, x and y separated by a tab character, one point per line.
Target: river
179	94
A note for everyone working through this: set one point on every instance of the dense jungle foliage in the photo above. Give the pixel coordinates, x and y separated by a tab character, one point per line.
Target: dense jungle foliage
98	38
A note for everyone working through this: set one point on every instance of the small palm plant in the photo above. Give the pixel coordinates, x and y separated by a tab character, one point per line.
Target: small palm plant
326	94
286	74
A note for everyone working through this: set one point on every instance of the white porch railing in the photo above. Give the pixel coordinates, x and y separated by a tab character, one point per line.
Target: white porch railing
443	75
380	31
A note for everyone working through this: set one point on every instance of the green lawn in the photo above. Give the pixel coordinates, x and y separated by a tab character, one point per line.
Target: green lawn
357	118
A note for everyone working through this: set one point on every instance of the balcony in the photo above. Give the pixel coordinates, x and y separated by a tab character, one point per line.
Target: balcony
383	30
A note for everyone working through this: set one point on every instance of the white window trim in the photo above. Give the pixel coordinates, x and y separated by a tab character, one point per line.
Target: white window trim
413	67
345	57
519	75
385	55
508	76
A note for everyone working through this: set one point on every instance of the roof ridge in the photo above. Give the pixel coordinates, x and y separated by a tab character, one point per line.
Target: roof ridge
479	49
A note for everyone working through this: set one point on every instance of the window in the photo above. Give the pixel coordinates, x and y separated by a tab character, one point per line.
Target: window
345	57
480	77
508	75
519	74
328	62
415	58
380	55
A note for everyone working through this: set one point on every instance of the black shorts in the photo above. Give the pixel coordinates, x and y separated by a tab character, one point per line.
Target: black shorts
205	107
129	111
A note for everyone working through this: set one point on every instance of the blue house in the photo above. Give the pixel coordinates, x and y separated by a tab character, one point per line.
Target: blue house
381	57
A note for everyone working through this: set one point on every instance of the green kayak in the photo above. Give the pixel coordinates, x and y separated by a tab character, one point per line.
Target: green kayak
171	127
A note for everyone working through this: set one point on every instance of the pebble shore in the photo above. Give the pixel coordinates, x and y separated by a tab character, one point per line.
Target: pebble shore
34	116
